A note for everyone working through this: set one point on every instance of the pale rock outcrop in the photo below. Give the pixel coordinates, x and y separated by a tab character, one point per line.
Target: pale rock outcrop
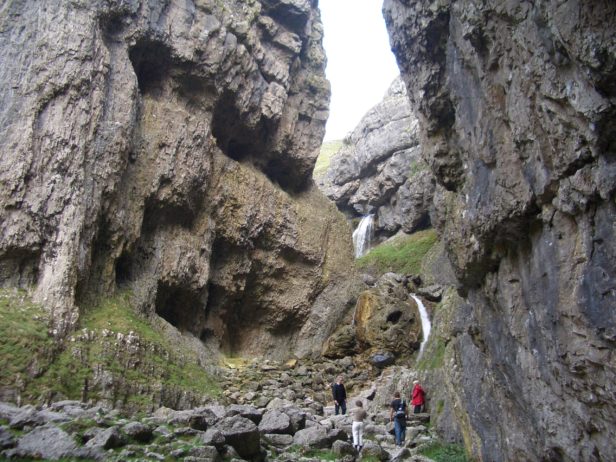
517	121
379	169
166	148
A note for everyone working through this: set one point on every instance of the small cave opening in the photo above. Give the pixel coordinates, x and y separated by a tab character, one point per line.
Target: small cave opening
394	317
181	307
233	136
151	60
123	270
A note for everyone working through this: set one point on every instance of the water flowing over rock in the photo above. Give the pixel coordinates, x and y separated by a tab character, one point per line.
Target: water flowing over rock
166	148
362	236
517	121
379	169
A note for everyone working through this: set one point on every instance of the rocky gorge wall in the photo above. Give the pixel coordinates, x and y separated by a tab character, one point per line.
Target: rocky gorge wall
516	106
165	149
379	169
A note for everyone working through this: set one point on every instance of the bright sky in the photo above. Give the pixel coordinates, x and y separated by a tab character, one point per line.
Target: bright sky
360	64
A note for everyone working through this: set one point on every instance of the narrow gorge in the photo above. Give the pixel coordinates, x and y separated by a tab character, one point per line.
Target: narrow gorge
175	284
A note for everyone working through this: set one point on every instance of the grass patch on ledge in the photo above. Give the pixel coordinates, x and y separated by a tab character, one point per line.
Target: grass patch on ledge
440	452
402	255
328	150
42	368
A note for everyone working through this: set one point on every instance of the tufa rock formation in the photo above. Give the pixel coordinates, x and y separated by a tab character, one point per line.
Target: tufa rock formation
516	105
379	169
165	149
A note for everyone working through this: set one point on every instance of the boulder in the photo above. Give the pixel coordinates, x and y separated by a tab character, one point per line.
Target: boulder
45	442
342	448
138	432
109	438
278	440
275	421
6	438
250	412
242	434
382	360
316	437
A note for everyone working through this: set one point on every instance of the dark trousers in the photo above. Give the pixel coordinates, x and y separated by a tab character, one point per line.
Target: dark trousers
417	409
341	407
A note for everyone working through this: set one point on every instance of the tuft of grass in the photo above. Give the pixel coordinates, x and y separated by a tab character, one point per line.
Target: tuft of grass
440	452
25	346
401	255
328	150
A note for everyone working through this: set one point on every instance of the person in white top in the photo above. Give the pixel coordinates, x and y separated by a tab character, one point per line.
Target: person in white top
359	414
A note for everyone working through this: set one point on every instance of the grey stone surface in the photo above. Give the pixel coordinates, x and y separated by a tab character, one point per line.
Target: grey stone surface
46	442
379	169
109	438
313	437
242	434
516	109
275	421
138	431
159	147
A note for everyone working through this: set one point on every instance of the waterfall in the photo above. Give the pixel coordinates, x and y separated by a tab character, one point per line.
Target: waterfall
363	235
425	322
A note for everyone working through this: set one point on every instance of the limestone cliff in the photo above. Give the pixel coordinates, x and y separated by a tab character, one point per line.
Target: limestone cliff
165	148
516	104
379	169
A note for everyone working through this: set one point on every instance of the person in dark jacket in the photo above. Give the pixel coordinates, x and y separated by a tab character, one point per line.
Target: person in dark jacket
397	415
339	393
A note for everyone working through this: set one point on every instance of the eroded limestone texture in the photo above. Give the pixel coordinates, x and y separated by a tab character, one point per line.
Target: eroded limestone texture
379	169
516	105
166	148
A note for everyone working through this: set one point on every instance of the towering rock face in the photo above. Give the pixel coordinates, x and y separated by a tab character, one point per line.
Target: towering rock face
517	111
166	148
379	169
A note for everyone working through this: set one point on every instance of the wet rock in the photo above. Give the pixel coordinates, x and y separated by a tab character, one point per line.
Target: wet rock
382	360
433	293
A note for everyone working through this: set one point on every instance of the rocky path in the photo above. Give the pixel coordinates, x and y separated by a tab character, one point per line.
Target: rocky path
274	412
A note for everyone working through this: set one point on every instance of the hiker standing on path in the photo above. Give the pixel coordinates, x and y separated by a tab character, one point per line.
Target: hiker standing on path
397	415
359	414
418	397
339	393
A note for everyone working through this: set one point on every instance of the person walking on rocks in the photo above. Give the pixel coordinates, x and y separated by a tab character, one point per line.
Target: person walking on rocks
340	396
418	397
397	415
359	414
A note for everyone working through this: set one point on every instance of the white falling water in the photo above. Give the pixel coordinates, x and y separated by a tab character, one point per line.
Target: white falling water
363	235
425	322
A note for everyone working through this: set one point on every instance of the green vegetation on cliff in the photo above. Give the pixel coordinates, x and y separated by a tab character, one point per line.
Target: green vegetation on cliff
328	150
440	452
114	355
402	254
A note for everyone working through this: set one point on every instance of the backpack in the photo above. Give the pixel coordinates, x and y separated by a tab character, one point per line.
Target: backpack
400	411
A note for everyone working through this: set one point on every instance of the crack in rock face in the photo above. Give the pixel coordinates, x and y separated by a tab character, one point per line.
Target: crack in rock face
516	122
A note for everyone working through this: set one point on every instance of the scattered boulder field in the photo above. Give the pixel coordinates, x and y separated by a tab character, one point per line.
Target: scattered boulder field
273	412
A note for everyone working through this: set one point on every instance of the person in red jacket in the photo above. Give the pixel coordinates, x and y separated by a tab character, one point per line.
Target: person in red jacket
418	397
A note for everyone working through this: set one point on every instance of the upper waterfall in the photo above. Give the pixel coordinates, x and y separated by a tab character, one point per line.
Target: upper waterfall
425	322
363	235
